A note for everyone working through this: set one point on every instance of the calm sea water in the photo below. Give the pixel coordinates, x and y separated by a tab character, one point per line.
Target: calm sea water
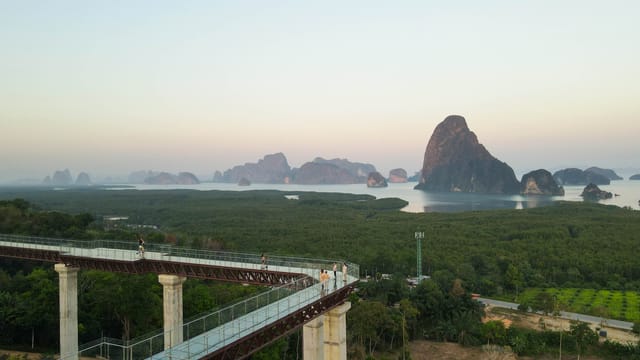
628	194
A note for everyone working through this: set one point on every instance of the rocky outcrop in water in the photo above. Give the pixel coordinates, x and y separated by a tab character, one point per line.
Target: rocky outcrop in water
83	179
635	177
376	180
244	182
272	169
540	182
360	171
165	178
608	173
574	176
593	192
455	161
187	178
62	178
335	171
398	176
313	173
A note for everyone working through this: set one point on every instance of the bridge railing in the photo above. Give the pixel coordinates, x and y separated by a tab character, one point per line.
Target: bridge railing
209	331
286	296
126	251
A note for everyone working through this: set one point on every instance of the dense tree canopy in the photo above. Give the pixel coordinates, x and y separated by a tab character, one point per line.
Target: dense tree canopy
564	245
578	245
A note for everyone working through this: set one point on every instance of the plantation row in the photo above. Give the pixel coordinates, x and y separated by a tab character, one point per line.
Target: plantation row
615	304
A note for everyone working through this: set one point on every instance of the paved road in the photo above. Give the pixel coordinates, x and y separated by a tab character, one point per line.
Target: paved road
624	325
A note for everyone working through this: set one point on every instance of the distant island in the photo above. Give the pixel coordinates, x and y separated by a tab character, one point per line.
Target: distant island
574	176
275	169
454	161
608	173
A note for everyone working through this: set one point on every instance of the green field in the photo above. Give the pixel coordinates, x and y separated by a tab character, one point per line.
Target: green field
614	304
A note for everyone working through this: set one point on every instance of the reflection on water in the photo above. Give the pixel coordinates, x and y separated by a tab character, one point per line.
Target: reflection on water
455	202
421	201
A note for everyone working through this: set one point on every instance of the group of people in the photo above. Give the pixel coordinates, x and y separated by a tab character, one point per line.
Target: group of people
324	277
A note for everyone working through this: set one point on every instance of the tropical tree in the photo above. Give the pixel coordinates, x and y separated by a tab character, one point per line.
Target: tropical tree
467	323
367	321
513	279
494	331
583	335
428	299
544	302
35	306
133	301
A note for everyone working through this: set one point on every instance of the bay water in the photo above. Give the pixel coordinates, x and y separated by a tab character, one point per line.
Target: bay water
626	194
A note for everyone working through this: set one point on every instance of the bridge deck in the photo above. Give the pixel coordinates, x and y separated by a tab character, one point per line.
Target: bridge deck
241	327
231	333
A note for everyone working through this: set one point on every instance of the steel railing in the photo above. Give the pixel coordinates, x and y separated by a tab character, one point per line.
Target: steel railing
212	331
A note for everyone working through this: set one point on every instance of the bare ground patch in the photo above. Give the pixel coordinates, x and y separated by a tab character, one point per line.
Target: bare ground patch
538	322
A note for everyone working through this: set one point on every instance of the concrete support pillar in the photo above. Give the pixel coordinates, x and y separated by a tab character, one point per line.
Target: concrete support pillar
313	339
172	308
68	284
335	332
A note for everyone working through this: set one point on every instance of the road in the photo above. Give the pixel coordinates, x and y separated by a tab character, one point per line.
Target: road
624	325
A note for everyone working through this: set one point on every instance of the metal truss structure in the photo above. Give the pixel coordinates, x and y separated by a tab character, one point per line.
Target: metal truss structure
237	350
143	266
268	334
30	254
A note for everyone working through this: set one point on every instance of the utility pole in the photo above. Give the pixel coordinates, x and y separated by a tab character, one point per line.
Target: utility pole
419	235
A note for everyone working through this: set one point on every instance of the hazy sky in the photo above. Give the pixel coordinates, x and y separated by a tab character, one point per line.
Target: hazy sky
110	87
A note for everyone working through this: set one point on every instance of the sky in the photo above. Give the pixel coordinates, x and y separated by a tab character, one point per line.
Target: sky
112	87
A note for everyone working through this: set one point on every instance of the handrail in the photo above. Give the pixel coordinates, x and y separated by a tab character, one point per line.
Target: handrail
169	251
294	292
149	345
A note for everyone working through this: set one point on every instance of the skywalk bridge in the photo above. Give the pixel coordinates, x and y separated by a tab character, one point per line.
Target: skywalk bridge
295	299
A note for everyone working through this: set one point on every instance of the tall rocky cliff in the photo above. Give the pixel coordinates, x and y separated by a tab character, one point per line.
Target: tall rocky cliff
83	179
334	171
540	182
62	178
376	180
398	176
455	161
313	173
273	169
